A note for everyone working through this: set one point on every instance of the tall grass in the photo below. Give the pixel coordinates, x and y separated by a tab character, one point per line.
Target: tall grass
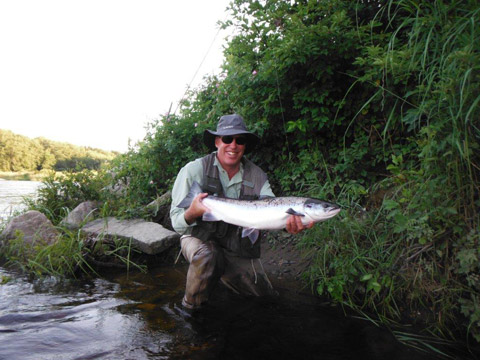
413	254
72	255
65	257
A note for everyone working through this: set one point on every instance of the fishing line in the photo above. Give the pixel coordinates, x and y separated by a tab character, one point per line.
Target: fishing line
198	69
281	109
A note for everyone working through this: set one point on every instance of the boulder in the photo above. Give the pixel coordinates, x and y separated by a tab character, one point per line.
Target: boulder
160	210
80	215
33	226
148	237
160	202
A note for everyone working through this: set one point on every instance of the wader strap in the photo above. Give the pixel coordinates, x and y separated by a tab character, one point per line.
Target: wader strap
211	178
252	181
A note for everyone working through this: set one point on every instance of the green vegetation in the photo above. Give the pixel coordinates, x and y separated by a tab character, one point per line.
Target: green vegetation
21	154
60	194
65	257
373	105
26	175
370	104
73	254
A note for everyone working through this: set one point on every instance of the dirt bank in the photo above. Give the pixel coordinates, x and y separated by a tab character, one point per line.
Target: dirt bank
284	263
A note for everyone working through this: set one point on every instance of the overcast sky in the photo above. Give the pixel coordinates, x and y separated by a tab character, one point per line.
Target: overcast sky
95	72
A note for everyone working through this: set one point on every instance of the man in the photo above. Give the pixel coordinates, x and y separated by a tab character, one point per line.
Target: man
216	250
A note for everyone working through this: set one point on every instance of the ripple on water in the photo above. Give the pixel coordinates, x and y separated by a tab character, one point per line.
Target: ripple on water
49	320
137	316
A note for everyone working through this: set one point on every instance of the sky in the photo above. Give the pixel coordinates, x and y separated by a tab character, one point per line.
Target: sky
96	72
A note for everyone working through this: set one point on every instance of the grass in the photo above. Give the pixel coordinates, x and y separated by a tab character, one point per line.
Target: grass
70	256
27	175
63	258
361	263
417	252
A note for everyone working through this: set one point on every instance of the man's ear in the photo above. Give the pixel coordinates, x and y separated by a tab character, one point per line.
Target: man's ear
217	141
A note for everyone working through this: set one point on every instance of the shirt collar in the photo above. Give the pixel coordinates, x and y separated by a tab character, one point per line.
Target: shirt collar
237	178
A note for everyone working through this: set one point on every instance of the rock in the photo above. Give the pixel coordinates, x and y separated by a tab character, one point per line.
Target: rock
161	201
148	237
160	210
81	214
34	226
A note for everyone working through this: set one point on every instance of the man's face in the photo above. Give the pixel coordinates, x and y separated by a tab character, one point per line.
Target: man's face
229	154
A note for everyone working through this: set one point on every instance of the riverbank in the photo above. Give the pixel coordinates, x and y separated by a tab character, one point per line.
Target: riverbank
284	262
27	175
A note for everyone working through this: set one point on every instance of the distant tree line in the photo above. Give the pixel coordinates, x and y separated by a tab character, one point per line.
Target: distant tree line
20	153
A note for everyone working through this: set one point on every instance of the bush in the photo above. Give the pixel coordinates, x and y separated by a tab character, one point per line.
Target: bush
61	193
374	104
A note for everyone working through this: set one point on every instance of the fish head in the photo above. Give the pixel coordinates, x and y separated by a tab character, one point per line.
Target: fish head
319	210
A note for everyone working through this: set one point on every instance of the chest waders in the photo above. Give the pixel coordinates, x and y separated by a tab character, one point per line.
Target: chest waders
217	250
229	236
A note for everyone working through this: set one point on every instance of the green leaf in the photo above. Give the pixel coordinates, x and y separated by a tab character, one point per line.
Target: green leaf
375	286
390	204
366	277
450	210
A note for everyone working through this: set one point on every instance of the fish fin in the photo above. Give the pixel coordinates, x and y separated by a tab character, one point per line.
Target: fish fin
251	233
293	212
208	216
195	189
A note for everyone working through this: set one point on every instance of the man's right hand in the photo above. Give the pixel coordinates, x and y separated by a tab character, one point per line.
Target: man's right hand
196	209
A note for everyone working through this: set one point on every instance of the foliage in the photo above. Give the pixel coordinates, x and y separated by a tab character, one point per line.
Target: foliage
60	194
26	175
19	153
149	169
64	257
428	78
71	255
372	104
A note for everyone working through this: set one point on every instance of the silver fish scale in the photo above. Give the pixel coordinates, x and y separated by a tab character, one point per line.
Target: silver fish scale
265	214
276	201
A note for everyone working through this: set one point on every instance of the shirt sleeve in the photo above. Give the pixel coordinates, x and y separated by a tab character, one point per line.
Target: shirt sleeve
266	190
191	172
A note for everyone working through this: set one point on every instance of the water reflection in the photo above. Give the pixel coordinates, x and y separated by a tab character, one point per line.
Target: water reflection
12	193
62	321
138	317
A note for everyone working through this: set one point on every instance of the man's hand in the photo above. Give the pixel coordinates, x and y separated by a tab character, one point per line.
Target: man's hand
196	209
295	225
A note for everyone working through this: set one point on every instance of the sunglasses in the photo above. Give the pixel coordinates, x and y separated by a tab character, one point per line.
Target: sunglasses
241	140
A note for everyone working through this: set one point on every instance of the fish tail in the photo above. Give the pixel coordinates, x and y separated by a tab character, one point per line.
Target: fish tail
195	189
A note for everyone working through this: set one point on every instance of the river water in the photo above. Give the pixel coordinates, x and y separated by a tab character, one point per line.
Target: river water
12	193
137	316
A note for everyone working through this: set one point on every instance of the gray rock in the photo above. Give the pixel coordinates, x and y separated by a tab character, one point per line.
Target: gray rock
161	201
33	226
81	214
148	237
160	210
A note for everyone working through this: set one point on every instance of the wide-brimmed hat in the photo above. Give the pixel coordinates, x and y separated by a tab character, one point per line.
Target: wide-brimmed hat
230	125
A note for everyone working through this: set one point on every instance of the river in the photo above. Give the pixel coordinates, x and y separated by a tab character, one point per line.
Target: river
137	316
12	193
